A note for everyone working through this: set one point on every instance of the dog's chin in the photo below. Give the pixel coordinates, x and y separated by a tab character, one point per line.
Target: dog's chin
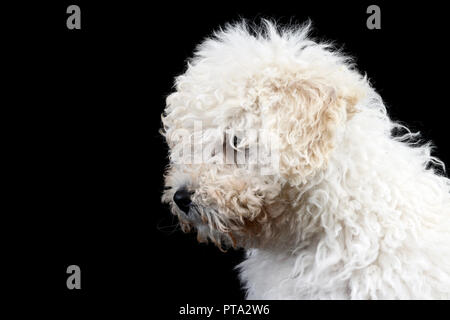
203	221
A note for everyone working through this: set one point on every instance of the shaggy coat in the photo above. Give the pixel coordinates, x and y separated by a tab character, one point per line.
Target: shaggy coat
355	209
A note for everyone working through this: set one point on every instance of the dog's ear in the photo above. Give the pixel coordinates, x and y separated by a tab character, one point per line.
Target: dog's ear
305	114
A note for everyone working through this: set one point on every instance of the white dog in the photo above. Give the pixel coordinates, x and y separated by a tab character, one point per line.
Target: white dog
352	210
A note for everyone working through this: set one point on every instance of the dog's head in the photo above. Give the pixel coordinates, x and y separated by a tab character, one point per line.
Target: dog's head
252	121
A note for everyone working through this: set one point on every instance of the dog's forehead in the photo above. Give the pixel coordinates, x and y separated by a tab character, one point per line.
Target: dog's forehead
231	90
222	102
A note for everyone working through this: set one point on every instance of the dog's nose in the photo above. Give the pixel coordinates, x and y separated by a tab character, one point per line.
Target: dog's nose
183	199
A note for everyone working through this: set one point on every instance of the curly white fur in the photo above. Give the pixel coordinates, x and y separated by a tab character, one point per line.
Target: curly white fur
353	211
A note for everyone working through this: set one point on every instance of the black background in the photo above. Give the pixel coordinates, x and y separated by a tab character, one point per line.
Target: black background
86	110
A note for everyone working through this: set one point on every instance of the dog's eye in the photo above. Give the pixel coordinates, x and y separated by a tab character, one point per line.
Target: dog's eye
236	141
238	144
